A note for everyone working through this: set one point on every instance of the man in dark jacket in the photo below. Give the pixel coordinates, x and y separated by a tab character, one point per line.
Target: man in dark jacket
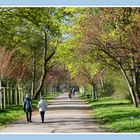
28	108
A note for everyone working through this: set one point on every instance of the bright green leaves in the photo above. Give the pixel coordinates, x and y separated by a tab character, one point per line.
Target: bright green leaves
24	29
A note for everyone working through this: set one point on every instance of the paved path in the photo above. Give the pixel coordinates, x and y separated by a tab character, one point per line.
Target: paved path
64	115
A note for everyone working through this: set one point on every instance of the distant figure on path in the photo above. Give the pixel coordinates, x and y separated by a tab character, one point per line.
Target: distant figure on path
28	108
73	91
70	94
42	105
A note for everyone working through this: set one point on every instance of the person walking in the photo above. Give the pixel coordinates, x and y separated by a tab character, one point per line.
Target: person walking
73	91
42	105
70	93
28	108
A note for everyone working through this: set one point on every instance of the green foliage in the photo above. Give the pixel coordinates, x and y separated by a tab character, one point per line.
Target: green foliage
23	29
88	89
115	80
106	90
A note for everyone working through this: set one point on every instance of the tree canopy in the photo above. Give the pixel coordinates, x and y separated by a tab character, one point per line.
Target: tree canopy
44	46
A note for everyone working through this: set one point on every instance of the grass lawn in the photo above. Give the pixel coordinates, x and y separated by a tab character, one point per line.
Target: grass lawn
17	112
118	114
10	115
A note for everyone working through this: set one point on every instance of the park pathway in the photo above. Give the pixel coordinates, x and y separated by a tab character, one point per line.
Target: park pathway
64	115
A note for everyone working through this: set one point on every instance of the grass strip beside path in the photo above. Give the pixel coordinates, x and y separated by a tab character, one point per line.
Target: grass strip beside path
9	115
117	114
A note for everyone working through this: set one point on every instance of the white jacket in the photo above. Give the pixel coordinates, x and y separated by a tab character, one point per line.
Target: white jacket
42	105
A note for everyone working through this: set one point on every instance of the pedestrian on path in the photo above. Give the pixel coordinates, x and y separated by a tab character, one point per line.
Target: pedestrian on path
73	91
70	94
42	105
28	107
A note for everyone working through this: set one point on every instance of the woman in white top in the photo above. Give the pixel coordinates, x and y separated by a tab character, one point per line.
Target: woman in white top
42	105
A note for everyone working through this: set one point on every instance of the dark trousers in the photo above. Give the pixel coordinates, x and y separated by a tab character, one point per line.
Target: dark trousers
42	114
29	116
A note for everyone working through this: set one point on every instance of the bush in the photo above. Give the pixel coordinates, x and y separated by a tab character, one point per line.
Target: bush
106	90
128	97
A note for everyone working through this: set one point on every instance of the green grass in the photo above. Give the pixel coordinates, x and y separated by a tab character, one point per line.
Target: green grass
115	114
12	114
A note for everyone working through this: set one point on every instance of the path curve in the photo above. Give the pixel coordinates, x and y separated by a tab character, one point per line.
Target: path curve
64	115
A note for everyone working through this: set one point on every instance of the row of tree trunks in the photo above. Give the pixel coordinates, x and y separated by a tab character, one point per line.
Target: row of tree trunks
11	96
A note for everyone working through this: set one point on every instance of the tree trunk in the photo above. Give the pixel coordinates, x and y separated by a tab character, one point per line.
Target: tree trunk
34	72
102	82
94	93
134	79
0	94
137	72
20	93
58	87
8	93
131	88
44	70
4	98
16	95
137	84
11	95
